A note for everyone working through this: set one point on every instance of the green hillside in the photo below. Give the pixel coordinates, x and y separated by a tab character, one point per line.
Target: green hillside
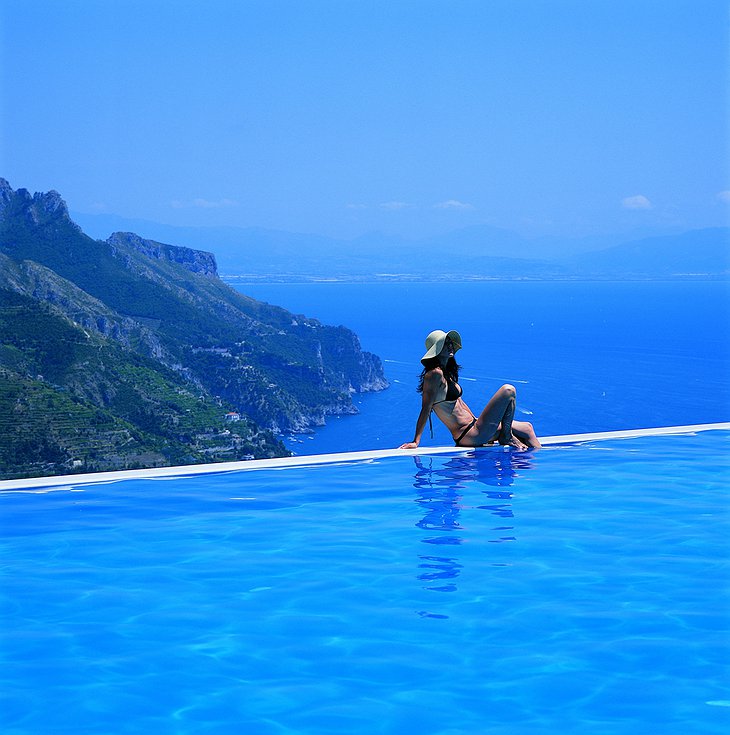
150	417
130	353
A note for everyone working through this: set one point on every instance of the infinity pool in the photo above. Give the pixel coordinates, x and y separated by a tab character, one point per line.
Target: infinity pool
584	588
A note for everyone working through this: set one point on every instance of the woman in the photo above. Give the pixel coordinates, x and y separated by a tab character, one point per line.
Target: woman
442	394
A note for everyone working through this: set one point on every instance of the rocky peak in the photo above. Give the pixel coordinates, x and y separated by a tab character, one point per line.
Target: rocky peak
6	196
51	202
6	191
197	261
39	207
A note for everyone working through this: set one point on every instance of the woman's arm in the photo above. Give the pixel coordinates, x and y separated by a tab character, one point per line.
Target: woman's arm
431	383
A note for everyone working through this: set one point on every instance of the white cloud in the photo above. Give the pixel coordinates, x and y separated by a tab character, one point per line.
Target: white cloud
724	196
454	204
636	202
207	204
394	206
203	204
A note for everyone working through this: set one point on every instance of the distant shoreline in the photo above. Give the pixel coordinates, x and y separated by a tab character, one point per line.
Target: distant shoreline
283	278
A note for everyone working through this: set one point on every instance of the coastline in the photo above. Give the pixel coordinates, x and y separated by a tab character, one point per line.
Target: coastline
242	279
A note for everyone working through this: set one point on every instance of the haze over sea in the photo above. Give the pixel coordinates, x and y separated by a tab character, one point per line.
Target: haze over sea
584	356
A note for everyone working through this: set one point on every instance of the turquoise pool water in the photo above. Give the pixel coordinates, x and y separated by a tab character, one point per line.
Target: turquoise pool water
580	589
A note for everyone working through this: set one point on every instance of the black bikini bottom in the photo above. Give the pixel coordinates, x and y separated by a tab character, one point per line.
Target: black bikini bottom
465	432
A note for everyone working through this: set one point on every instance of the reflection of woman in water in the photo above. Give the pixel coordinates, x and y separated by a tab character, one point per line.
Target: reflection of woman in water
441	393
441	485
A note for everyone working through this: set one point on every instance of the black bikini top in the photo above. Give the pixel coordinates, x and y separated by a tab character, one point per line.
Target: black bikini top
453	392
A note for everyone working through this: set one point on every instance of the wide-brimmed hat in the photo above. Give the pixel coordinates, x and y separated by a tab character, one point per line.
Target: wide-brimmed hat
435	342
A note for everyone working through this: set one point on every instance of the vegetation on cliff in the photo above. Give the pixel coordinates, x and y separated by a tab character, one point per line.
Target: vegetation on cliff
127	353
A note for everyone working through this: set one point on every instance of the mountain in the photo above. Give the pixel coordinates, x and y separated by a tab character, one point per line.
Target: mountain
131	352
479	251
482	250
698	252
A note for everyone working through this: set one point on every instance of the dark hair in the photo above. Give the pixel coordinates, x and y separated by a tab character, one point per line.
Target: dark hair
450	370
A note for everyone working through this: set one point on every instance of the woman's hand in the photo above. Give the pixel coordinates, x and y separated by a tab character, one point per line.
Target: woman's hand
408	445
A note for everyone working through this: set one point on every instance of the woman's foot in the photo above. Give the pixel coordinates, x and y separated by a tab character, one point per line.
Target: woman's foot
510	440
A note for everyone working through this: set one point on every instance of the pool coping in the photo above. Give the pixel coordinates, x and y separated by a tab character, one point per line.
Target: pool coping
66	481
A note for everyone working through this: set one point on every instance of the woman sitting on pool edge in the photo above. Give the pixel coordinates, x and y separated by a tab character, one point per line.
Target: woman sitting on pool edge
442	394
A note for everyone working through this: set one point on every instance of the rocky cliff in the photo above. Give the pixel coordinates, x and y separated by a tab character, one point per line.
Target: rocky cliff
196	261
148	341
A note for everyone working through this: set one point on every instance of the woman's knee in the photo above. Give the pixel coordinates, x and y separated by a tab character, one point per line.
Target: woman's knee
508	390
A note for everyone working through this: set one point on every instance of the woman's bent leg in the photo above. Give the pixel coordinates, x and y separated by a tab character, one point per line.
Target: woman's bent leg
496	418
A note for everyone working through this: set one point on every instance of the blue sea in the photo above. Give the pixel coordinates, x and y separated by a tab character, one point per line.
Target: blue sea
584	356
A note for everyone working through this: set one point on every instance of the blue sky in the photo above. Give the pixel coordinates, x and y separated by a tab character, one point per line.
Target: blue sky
341	117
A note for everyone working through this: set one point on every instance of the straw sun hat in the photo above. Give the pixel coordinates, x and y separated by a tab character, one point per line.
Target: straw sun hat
435	342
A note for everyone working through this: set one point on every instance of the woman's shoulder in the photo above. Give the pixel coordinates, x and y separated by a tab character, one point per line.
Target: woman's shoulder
434	376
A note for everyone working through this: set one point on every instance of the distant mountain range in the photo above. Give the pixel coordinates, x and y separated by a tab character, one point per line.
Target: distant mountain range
473	252
128	352
695	253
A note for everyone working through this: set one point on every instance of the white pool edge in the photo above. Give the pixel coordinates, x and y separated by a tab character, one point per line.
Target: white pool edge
65	481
